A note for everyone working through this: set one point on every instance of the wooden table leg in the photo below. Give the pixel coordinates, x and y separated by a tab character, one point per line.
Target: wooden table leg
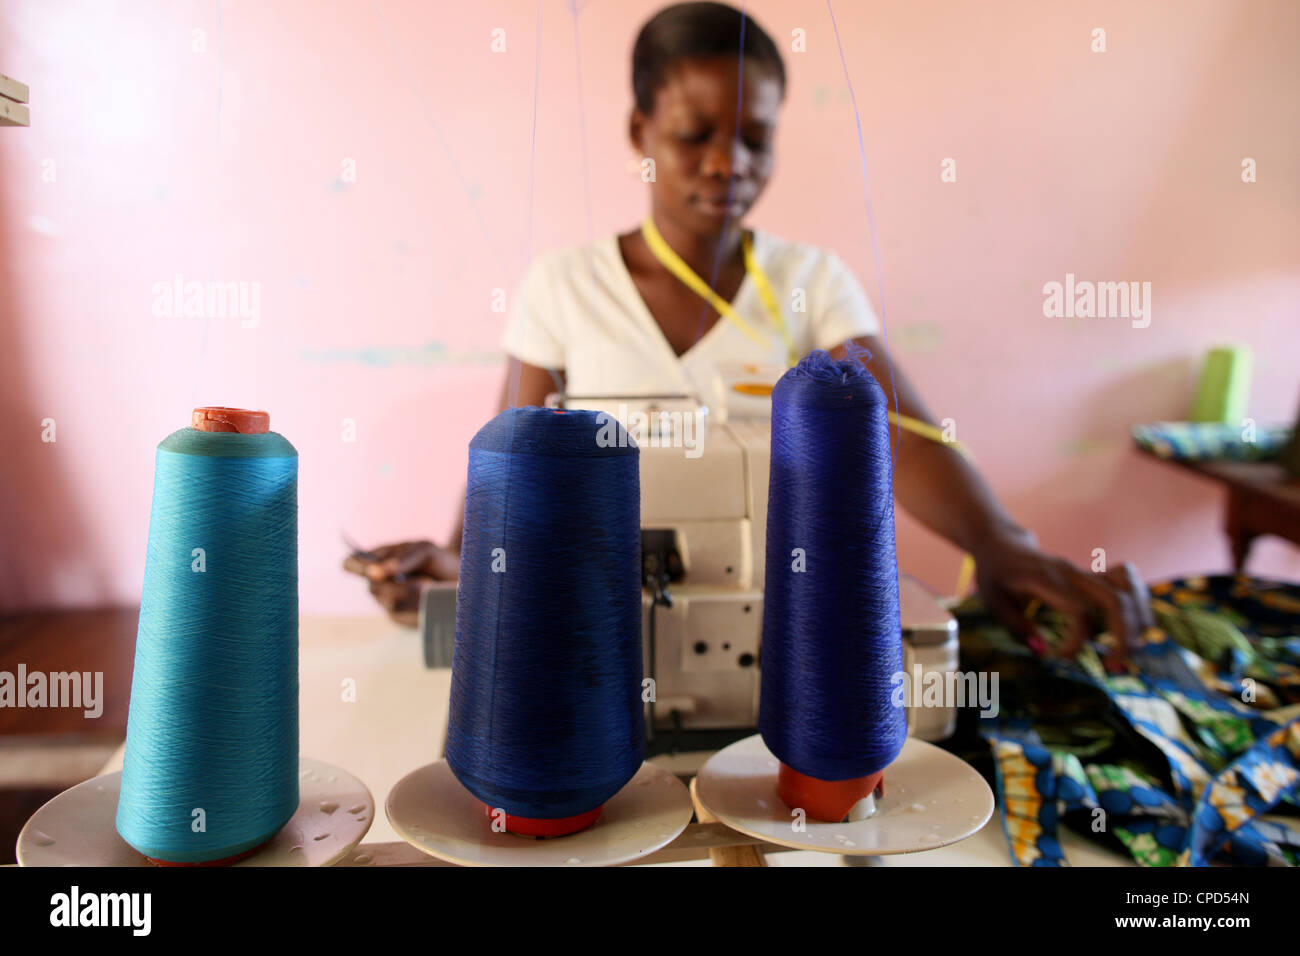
727	855
1240	535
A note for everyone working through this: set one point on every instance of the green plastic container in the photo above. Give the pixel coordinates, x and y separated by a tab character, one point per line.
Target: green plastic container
1223	393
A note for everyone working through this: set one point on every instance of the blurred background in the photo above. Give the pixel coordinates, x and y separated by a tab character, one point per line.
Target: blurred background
376	171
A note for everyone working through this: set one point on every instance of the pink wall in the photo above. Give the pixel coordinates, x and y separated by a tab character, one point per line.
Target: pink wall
375	295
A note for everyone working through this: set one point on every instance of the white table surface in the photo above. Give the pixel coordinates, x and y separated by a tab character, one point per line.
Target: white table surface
399	718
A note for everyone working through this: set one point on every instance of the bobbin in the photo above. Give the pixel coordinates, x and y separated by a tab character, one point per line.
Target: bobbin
934	798
832	801
222	419
218	418
809	401
563	775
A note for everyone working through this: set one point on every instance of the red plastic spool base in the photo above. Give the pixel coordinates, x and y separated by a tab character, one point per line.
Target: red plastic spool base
827	800
226	862
218	418
537	827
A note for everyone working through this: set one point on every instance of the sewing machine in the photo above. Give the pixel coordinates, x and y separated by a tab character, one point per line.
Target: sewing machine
704	478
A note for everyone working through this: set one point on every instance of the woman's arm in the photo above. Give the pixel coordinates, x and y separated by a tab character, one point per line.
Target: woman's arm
938	486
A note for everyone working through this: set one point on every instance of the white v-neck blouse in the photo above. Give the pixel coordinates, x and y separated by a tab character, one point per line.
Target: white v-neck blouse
579	310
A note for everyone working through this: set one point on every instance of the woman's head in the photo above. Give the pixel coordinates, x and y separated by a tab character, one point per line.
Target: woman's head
686	78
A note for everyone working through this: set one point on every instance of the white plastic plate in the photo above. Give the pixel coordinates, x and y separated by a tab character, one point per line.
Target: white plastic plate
932	798
77	828
431	810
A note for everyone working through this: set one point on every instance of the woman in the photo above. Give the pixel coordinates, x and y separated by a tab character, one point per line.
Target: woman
618	317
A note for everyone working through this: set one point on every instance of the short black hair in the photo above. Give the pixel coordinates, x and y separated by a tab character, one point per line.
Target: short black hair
696	31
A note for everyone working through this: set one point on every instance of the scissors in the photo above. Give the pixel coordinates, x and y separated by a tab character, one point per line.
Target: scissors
362	554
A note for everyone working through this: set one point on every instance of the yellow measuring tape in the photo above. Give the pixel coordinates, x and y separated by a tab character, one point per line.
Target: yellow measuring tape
677	266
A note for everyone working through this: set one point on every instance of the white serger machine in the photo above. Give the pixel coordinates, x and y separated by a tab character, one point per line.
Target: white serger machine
704	482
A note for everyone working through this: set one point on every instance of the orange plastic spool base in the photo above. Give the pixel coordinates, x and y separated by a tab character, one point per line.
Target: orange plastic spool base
827	800
215	418
226	862
537	827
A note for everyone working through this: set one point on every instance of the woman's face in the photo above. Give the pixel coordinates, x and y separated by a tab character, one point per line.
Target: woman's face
698	151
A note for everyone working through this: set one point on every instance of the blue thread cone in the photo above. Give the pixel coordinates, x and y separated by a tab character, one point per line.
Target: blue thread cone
546	714
832	639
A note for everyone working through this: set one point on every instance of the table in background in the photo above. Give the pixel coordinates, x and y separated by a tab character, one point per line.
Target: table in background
1263	498
45	750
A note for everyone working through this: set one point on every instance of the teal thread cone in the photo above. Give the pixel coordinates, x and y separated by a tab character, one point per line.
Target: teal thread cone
211	765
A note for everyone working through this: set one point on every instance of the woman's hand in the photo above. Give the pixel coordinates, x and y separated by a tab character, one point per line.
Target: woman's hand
398	573
1011	572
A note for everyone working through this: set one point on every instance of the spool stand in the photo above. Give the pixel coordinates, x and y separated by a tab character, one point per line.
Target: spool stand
743	797
434	813
77	828
933	799
335	809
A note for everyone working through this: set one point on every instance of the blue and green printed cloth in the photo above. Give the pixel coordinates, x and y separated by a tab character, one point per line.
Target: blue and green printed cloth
1192	772
1211	441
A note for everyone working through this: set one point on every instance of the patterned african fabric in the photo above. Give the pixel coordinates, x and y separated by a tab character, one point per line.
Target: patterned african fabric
1210	441
1174	772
